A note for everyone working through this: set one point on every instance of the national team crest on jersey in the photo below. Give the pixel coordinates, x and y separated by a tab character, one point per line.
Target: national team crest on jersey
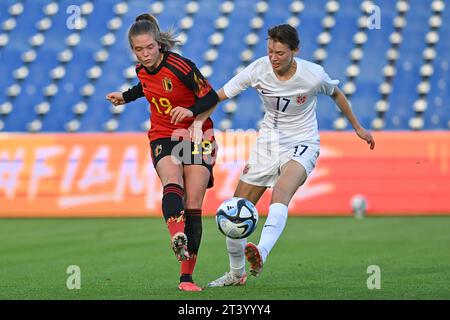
167	84
301	99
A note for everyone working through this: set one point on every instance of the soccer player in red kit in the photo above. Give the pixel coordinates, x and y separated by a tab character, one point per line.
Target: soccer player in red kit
177	92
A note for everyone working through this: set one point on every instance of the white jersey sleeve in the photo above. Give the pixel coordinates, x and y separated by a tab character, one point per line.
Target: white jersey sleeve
326	85
241	81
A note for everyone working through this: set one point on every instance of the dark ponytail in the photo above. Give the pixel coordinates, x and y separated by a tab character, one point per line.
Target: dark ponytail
146	23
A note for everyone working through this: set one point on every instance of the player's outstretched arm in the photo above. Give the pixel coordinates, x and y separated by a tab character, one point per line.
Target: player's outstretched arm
116	98
119	98
343	104
196	128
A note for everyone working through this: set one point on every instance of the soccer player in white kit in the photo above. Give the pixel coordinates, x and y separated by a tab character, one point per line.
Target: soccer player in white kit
288	143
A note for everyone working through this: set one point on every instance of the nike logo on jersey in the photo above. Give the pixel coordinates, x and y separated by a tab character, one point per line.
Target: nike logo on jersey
264	92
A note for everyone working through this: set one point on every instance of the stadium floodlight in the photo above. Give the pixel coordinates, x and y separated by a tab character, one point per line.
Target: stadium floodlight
183	38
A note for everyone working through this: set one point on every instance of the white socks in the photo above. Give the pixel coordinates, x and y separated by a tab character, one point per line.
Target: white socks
235	249
276	220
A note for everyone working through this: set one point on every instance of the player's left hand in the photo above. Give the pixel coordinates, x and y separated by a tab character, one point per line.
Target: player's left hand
178	114
366	135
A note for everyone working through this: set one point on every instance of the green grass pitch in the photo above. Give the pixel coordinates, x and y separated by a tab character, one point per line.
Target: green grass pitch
315	258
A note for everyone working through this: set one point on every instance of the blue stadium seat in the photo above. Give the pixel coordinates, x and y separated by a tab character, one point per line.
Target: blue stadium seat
401	100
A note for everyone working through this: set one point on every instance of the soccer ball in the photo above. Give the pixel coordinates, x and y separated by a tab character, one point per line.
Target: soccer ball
237	218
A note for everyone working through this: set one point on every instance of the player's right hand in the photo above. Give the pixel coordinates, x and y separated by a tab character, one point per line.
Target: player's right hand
116	98
196	132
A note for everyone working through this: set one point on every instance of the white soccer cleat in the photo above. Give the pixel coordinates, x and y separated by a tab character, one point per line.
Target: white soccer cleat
229	279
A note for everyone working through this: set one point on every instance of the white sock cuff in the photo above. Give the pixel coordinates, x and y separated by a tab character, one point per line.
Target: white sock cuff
279	208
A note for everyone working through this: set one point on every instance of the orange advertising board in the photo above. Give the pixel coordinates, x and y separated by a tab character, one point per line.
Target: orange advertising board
78	175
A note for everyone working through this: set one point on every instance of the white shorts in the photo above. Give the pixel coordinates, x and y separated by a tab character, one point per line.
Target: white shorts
266	159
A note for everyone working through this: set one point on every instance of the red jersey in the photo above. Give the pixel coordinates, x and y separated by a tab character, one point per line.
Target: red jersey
176	82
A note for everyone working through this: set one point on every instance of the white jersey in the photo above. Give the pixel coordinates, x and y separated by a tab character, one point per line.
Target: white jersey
290	105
